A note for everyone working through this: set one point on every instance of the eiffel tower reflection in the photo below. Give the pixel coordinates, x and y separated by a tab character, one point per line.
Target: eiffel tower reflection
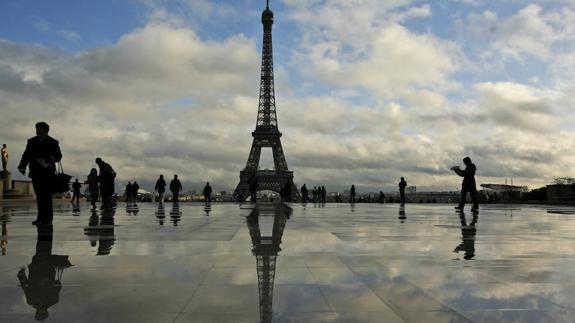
266	249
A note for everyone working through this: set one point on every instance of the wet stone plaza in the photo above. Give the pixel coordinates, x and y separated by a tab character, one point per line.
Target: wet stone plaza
289	263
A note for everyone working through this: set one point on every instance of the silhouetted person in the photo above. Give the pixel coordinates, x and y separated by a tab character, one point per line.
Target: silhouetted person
304	194
42	285
160	188
76	186
107	186
468	184
352	194
41	154
323	194
176	188
135	189
254	188
468	234
287	191
93	186
5	156
128	193
208	193
314	194
402	185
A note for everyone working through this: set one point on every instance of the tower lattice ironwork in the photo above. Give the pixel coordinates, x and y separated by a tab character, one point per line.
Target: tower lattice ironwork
266	249
267	133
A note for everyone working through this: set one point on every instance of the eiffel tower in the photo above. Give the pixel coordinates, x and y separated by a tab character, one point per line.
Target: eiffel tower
266	133
266	250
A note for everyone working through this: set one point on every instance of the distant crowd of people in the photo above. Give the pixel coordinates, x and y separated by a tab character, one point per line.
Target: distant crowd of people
43	152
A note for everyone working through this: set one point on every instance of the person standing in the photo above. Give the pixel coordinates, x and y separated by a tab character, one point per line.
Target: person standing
304	196
93	186
5	156
41	155
207	193
402	185
135	189
76	186
323	194
352	194
128	193
176	188
107	186
468	184
160	188
254	188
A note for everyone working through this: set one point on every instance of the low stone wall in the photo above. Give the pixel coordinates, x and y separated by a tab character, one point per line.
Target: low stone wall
564	194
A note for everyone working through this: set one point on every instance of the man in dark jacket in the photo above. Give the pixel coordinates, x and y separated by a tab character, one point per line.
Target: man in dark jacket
41	155
160	188
208	193
468	184
107	186
76	186
402	185
176	188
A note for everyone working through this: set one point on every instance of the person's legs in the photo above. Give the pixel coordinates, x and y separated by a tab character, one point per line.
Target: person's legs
473	194
462	199
402	197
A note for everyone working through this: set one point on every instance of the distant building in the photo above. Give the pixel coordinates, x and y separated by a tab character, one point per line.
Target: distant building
503	192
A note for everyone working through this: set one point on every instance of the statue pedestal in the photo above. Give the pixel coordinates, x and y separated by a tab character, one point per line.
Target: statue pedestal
14	189
5	178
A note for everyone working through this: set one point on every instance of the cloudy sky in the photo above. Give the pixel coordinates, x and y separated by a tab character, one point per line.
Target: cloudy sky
367	90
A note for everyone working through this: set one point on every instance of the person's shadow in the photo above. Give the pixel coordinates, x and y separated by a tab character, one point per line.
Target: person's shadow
43	283
161	214
468	233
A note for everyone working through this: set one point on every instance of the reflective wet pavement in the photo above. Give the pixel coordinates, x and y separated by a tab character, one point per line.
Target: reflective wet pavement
337	263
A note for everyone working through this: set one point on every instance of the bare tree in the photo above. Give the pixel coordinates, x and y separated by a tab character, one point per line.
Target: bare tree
564	181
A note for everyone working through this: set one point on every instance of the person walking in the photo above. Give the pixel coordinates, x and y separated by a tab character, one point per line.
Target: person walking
323	194
41	155
207	193
135	189
402	185
352	194
93	182
160	188
76	186
107	186
176	188
468	184
128	193
304	196
254	188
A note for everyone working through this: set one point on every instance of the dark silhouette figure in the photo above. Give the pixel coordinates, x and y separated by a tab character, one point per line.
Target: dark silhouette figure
107	186
402	185
93	182
4	155
76	186
352	194
207	193
286	191
41	154
254	188
176	188
314	194
468	234
135	189
323	194
43	283
160	188
381	197
128	192
468	184
304	194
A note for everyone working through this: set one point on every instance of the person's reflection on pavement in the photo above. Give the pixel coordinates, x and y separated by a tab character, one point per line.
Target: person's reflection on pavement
106	237
402	215
468	233
161	213
208	209
43	283
5	218
175	214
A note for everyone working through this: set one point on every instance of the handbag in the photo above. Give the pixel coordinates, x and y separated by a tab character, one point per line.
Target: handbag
61	181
